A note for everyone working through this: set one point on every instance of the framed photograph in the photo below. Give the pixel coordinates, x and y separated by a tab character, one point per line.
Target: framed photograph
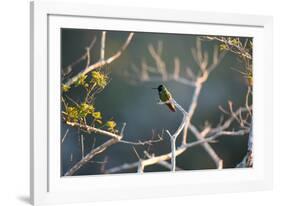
126	105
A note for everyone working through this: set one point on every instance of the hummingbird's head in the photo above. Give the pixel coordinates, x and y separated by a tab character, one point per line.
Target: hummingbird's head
160	88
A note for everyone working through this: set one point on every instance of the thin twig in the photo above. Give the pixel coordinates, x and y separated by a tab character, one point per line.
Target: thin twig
82	145
170	77
147	142
82	58
65	135
247	99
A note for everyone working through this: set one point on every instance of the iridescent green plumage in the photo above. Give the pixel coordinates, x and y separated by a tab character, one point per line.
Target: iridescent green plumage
165	96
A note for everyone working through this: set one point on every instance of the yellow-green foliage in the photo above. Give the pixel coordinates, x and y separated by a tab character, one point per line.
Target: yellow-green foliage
111	125
79	112
65	88
97	116
81	81
72	114
243	50
231	42
234	41
99	79
223	47
86	110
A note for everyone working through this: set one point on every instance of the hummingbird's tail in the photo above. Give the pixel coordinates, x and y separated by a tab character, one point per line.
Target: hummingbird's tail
171	106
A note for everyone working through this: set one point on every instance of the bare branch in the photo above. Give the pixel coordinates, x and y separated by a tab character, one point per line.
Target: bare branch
144	70
102	49
200	136
147	142
85	159
102	63
191	111
122	167
176	68
247	99
235	48
94	129
208	135
179	151
68	69
162	163
88	128
90	155
248	159
173	137
82	145
228	122
161	66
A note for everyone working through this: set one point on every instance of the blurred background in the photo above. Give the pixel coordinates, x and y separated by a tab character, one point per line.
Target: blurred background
135	103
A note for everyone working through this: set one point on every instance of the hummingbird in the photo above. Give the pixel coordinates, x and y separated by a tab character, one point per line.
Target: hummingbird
165	97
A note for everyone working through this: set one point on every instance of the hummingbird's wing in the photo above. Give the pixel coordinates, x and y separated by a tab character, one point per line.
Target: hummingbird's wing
167	94
167	97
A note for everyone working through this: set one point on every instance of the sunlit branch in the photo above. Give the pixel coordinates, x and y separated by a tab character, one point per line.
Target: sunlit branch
102	50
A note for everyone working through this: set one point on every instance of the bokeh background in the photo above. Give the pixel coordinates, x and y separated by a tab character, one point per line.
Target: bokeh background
136	103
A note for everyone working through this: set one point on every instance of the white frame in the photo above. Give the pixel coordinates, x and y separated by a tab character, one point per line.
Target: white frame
47	187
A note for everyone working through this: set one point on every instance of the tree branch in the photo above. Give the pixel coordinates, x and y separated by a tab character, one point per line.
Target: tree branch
173	137
200	136
90	155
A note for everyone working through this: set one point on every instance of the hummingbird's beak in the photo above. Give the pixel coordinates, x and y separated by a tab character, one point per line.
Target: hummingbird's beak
154	88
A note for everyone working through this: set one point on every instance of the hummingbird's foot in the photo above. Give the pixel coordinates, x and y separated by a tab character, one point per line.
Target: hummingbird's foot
161	102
